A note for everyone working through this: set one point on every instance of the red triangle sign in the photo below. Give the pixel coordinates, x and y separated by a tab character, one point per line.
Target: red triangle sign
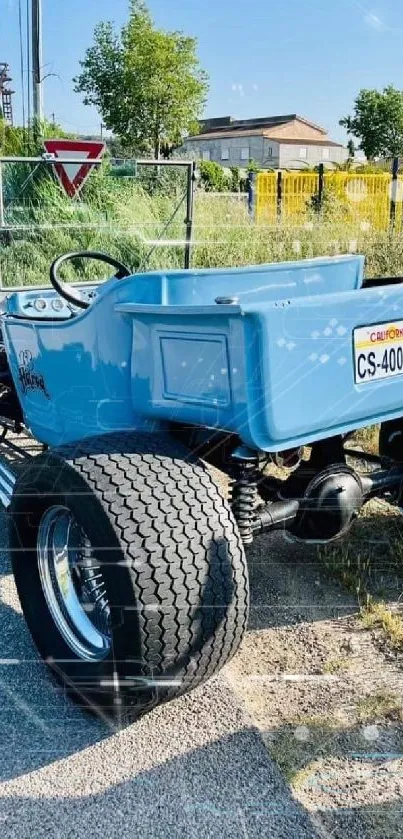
72	176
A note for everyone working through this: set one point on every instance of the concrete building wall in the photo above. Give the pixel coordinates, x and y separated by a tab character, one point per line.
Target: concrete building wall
298	156
235	151
268	153
271	154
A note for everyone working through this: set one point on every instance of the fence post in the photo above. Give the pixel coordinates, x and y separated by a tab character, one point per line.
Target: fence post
252	194
279	198
393	191
321	170
190	188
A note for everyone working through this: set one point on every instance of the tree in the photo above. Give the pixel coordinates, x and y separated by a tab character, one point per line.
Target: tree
377	122
146	83
351	148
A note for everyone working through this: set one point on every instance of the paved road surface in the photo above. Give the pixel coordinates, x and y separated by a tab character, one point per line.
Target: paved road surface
194	768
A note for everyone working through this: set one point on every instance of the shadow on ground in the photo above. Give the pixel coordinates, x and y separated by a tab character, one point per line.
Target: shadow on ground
292	581
65	774
289	583
313	758
211	791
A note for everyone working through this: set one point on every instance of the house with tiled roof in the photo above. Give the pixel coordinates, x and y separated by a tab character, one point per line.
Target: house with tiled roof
279	142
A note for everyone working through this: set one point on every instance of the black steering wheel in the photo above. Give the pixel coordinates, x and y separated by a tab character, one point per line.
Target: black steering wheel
73	295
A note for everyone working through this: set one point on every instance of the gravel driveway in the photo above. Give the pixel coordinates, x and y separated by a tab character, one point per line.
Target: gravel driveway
308	692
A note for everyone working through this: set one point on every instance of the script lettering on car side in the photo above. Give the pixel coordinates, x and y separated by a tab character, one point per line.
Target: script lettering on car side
30	379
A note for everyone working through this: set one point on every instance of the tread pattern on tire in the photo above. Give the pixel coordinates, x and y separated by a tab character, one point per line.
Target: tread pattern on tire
181	546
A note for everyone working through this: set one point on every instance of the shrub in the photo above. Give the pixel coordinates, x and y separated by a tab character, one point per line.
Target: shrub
213	178
17	141
253	166
235	179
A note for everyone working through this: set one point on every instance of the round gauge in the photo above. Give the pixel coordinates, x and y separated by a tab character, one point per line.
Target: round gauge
57	304
40	304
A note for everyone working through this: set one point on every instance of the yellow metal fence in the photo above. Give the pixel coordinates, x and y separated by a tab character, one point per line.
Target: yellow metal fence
291	196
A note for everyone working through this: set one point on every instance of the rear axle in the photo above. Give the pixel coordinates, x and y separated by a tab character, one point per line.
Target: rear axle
312	508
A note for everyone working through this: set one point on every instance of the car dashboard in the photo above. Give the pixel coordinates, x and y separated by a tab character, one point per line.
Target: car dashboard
45	303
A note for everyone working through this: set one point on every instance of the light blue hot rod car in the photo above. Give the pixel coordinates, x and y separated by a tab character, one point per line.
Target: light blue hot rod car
129	561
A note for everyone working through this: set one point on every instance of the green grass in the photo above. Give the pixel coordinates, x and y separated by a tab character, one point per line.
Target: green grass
378	616
339	664
302	746
225	236
124	216
380	705
368	562
297	755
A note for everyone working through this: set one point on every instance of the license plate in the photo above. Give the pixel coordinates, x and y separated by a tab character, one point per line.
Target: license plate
378	351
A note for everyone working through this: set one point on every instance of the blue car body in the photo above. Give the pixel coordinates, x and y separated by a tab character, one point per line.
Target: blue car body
275	365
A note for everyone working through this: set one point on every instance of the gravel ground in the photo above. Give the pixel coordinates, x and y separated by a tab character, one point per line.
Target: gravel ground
300	736
327	701
197	767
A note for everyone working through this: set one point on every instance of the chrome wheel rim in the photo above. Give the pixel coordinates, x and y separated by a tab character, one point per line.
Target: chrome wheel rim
73	584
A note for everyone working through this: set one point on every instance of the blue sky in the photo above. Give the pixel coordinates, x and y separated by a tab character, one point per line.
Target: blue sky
304	56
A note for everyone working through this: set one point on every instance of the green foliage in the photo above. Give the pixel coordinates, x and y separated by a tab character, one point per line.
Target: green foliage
213	178
49	131
116	216
146	83
116	148
120	216
235	182
21	181
253	166
373	168
351	148
377	122
330	207
12	140
126	215
19	142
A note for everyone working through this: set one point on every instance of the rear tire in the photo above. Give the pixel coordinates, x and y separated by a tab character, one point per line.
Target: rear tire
169	557
391	439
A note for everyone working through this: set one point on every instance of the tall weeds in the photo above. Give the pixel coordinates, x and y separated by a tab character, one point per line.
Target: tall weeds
129	221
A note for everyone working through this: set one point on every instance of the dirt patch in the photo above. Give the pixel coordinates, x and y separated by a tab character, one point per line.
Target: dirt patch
327	700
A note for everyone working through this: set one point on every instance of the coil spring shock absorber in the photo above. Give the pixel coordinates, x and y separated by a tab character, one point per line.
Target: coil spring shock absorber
244	491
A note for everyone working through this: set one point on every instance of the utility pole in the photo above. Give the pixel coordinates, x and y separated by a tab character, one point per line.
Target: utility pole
37	60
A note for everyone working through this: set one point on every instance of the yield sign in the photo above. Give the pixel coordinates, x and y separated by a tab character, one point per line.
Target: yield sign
72	176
